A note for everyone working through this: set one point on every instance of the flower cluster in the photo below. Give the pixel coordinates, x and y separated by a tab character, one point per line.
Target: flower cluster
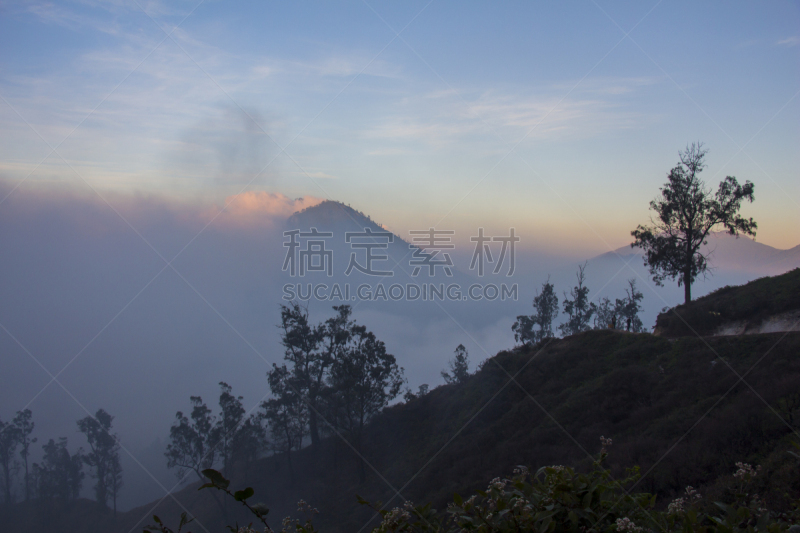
676	508
497	484
745	470
393	519
304	507
692	494
604	443
626	524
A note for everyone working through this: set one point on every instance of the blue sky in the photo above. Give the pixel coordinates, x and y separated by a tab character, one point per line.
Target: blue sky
542	116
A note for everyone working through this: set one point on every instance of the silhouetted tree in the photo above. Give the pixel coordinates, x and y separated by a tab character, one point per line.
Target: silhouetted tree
202	440
60	474
8	445
286	413
624	309
250	440
459	366
362	381
577	306
545	304
422	391
104	451
24	424
309	361
192	443
605	313
114	480
231	415
686	212
628	308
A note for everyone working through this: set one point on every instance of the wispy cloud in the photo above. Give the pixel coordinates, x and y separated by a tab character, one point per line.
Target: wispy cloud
789	41
443	117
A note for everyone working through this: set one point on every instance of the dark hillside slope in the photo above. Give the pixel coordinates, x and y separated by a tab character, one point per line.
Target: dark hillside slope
753	303
676	408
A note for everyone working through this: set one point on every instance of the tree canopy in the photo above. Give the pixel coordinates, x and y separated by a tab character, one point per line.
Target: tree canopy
685	213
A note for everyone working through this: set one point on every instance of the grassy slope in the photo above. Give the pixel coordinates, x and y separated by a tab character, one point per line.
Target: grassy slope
597	383
753	302
685	425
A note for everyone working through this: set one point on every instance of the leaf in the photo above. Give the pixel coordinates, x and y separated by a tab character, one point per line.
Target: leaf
457	499
242	495
216	478
587	500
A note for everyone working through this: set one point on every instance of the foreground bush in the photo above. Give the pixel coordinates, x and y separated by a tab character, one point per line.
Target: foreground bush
555	499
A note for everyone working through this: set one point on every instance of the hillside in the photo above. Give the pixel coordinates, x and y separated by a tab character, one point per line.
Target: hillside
673	407
737	310
685	409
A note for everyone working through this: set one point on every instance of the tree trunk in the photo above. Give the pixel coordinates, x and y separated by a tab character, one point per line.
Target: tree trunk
313	430
687	288
7	479
27	482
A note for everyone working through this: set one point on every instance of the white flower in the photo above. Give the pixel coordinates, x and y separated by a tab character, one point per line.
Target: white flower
676	507
745	469
626	524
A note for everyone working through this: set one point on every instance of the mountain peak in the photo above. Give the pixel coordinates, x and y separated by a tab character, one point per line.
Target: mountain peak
330	213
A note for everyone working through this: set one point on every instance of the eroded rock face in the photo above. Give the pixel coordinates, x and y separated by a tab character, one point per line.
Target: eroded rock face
789	321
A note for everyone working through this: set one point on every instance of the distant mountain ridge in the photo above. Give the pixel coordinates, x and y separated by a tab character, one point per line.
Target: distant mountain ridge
733	253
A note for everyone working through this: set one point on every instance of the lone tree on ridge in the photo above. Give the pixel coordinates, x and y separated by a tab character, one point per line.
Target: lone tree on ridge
686	212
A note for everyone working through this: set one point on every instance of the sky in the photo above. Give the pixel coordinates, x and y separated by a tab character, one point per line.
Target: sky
150	153
559	119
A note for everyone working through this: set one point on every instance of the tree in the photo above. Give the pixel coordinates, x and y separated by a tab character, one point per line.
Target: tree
286	413
24	424
201	440
578	308
8	445
302	343
459	366
114	480
621	311
192	443
686	212
628	309
60	474
231	415
362	381
545	303
605	313
422	391
104	451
